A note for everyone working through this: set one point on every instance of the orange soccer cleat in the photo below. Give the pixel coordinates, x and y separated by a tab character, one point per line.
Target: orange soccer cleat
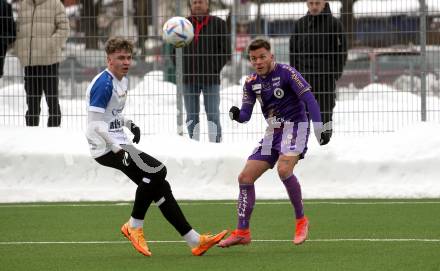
237	237
136	237
301	231
207	241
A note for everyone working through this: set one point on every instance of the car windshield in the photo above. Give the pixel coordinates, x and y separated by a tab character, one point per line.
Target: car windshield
393	61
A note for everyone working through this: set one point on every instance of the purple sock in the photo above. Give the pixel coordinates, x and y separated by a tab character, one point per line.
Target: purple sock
245	205
294	191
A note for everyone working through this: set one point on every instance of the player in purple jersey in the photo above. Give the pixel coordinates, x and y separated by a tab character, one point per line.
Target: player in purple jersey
283	95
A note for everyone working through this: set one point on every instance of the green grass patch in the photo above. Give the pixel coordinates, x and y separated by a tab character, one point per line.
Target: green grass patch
344	235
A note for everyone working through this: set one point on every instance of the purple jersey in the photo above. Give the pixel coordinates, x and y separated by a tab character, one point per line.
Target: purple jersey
278	94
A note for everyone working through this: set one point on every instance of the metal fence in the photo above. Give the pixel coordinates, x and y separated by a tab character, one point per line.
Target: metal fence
391	78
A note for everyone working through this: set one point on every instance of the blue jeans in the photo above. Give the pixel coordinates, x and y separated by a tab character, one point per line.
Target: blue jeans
211	99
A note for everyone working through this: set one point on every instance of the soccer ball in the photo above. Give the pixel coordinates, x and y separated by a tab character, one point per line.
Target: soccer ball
178	31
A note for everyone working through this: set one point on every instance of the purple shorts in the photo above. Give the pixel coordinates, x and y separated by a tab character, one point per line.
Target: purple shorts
290	139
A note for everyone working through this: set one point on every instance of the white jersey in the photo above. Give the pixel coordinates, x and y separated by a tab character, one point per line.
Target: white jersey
107	95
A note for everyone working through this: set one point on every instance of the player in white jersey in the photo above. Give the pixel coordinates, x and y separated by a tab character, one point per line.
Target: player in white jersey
110	147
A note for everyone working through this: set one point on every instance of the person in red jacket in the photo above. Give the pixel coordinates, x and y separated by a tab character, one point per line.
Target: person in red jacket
203	59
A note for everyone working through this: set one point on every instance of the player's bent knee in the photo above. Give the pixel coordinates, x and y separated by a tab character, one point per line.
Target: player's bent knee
161	174
163	192
284	172
245	178
166	187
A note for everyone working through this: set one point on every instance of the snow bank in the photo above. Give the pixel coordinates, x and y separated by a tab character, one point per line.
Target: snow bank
40	164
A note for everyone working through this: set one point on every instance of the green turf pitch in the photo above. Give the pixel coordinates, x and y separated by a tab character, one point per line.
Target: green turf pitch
344	235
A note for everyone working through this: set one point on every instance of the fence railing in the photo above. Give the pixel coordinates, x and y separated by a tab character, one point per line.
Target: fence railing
391	78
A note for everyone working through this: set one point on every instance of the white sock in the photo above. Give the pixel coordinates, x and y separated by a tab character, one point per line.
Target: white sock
136	223
192	238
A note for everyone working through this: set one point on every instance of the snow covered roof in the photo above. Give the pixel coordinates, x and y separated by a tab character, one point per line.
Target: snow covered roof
384	8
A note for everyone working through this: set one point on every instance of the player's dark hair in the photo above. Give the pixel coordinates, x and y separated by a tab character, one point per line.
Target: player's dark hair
257	44
116	44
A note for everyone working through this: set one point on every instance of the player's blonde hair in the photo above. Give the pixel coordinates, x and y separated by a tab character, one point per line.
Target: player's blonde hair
114	44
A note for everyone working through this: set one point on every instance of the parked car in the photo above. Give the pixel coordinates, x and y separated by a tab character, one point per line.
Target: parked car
385	65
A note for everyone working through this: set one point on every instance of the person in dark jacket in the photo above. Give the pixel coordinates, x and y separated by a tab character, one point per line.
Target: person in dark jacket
203	59
7	31
318	50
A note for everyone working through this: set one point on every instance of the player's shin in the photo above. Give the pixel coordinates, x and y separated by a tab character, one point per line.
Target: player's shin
170	208
142	201
245	206
294	191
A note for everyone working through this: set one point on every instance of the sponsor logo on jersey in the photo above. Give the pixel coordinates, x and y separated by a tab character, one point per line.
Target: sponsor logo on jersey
116	124
289	68
276	79
256	87
278	93
297	80
276	84
267	86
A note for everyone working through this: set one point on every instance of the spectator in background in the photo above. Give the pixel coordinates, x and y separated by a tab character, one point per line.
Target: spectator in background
43	29
318	50
7	31
243	38
203	59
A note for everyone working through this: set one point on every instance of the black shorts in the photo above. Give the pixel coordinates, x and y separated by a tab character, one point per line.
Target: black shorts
138	167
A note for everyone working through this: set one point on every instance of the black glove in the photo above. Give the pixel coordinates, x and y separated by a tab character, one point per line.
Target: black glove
234	113
325	137
136	132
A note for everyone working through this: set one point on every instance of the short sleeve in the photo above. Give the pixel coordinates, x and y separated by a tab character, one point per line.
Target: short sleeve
100	95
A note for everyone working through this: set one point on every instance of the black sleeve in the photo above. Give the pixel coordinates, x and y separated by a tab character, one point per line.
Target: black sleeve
292	50
8	24
225	42
293	42
341	49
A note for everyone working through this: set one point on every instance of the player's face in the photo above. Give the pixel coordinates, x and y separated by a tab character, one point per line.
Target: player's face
199	7
315	6
119	63
262	60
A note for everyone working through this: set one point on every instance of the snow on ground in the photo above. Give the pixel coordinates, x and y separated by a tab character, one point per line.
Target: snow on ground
53	164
